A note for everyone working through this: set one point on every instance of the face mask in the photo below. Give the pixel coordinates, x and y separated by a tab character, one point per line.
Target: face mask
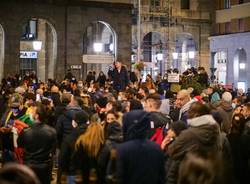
119	98
80	85
233	105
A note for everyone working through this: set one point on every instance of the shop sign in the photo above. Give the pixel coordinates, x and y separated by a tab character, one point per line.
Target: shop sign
28	54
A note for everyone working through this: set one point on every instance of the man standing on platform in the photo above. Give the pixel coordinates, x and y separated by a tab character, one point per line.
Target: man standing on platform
120	77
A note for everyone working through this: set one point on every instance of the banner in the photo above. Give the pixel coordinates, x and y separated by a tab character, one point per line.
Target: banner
173	78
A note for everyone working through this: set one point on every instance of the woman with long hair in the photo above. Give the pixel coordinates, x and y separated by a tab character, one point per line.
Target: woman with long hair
88	147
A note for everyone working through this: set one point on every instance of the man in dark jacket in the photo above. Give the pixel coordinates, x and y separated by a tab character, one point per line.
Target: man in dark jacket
158	119
139	160
120	77
39	142
64	123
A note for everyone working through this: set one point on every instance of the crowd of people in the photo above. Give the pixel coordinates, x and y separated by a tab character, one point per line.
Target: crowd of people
119	129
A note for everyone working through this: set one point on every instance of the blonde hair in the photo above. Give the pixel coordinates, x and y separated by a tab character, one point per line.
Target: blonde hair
92	140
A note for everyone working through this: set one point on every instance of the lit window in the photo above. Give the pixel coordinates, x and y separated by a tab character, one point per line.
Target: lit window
242	66
227	4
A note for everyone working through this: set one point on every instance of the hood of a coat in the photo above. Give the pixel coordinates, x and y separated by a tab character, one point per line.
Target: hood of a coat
136	125
203	134
201	120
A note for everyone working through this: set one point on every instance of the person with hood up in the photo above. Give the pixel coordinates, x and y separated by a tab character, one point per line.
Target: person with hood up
203	135
140	161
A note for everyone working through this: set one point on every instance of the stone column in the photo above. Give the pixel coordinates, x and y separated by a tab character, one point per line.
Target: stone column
42	53
1	52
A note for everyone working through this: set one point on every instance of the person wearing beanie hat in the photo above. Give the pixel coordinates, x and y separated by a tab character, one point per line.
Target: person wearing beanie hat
139	159
174	130
225	110
178	126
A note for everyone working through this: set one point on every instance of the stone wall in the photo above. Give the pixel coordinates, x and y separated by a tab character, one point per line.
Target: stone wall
69	22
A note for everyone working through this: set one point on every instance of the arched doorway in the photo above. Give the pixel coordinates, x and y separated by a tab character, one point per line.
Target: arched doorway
185	52
1	52
220	63
240	68
99	47
38	49
153	53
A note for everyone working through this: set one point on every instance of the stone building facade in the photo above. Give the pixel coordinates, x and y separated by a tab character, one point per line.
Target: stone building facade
176	27
63	23
230	43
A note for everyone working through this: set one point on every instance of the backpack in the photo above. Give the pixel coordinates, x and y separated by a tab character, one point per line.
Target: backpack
161	130
158	136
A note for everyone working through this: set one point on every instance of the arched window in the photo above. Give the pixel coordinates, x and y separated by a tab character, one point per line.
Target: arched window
227	4
185	4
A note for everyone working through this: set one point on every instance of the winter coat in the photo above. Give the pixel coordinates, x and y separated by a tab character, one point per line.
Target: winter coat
87	166
66	161
226	112
140	161
114	137
120	79
39	142
240	146
202	135
183	114
158	120
101	79
64	123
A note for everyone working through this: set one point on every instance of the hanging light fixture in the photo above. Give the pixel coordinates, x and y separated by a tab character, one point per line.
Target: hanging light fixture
98	47
37	45
175	55
191	54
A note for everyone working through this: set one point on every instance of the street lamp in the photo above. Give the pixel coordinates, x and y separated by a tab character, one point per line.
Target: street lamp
111	47
175	55
159	56
191	54
98	47
37	45
242	66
